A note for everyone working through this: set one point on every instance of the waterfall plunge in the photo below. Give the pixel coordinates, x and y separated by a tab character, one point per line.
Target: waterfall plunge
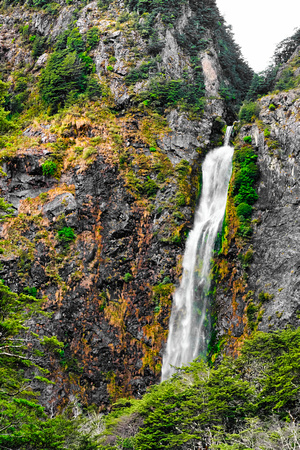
186	338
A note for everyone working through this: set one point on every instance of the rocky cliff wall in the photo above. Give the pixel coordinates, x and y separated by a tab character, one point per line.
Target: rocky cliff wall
101	238
258	276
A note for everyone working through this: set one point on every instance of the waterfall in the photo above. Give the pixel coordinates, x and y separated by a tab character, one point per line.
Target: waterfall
188	320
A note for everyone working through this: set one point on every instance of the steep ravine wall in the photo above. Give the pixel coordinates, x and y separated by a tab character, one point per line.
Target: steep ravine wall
265	291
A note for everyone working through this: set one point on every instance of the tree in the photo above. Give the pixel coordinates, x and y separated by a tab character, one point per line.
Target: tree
63	77
5	124
23	423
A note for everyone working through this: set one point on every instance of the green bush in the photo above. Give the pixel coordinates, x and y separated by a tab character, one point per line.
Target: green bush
150	188
63	75
249	111
183	167
246	258
6	210
52	8
32	291
215	405
247	175
49	168
286	80
246	194
93	37
244	155
128	277
110	68
251	312
103	4
39	46
66	235
244	210
248	139
163	93
180	199
140	73
272	107
75	41
265	297
93	89
5	123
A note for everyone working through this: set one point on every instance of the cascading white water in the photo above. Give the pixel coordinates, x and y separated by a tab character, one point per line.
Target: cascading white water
187	338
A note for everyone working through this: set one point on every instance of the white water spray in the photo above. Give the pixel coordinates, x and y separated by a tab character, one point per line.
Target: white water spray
187	338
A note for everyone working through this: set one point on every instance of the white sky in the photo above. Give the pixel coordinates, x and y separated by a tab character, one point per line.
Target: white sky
259	25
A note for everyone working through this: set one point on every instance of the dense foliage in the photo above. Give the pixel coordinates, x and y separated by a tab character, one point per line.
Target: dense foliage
23	423
68	70
273	77
218	407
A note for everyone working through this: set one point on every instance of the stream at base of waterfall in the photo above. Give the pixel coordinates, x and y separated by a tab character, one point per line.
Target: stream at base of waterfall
187	338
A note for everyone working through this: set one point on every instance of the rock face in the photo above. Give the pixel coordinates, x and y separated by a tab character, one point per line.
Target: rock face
101	237
271	281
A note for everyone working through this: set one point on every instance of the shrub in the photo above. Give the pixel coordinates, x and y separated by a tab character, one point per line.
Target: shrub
247	194
272	107
150	188
246	176
93	89
183	167
244	210
265	297
128	277
246	258
286	81
267	132
53	8
163	93
39	46
6	210
63	75
140	73
30	291
248	139
103	4
251	312
245	230
49	168
110	68
75	41
249	111
93	37
66	235
180	199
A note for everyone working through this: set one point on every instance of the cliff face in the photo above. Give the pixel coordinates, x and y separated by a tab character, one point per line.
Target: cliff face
258	276
100	236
